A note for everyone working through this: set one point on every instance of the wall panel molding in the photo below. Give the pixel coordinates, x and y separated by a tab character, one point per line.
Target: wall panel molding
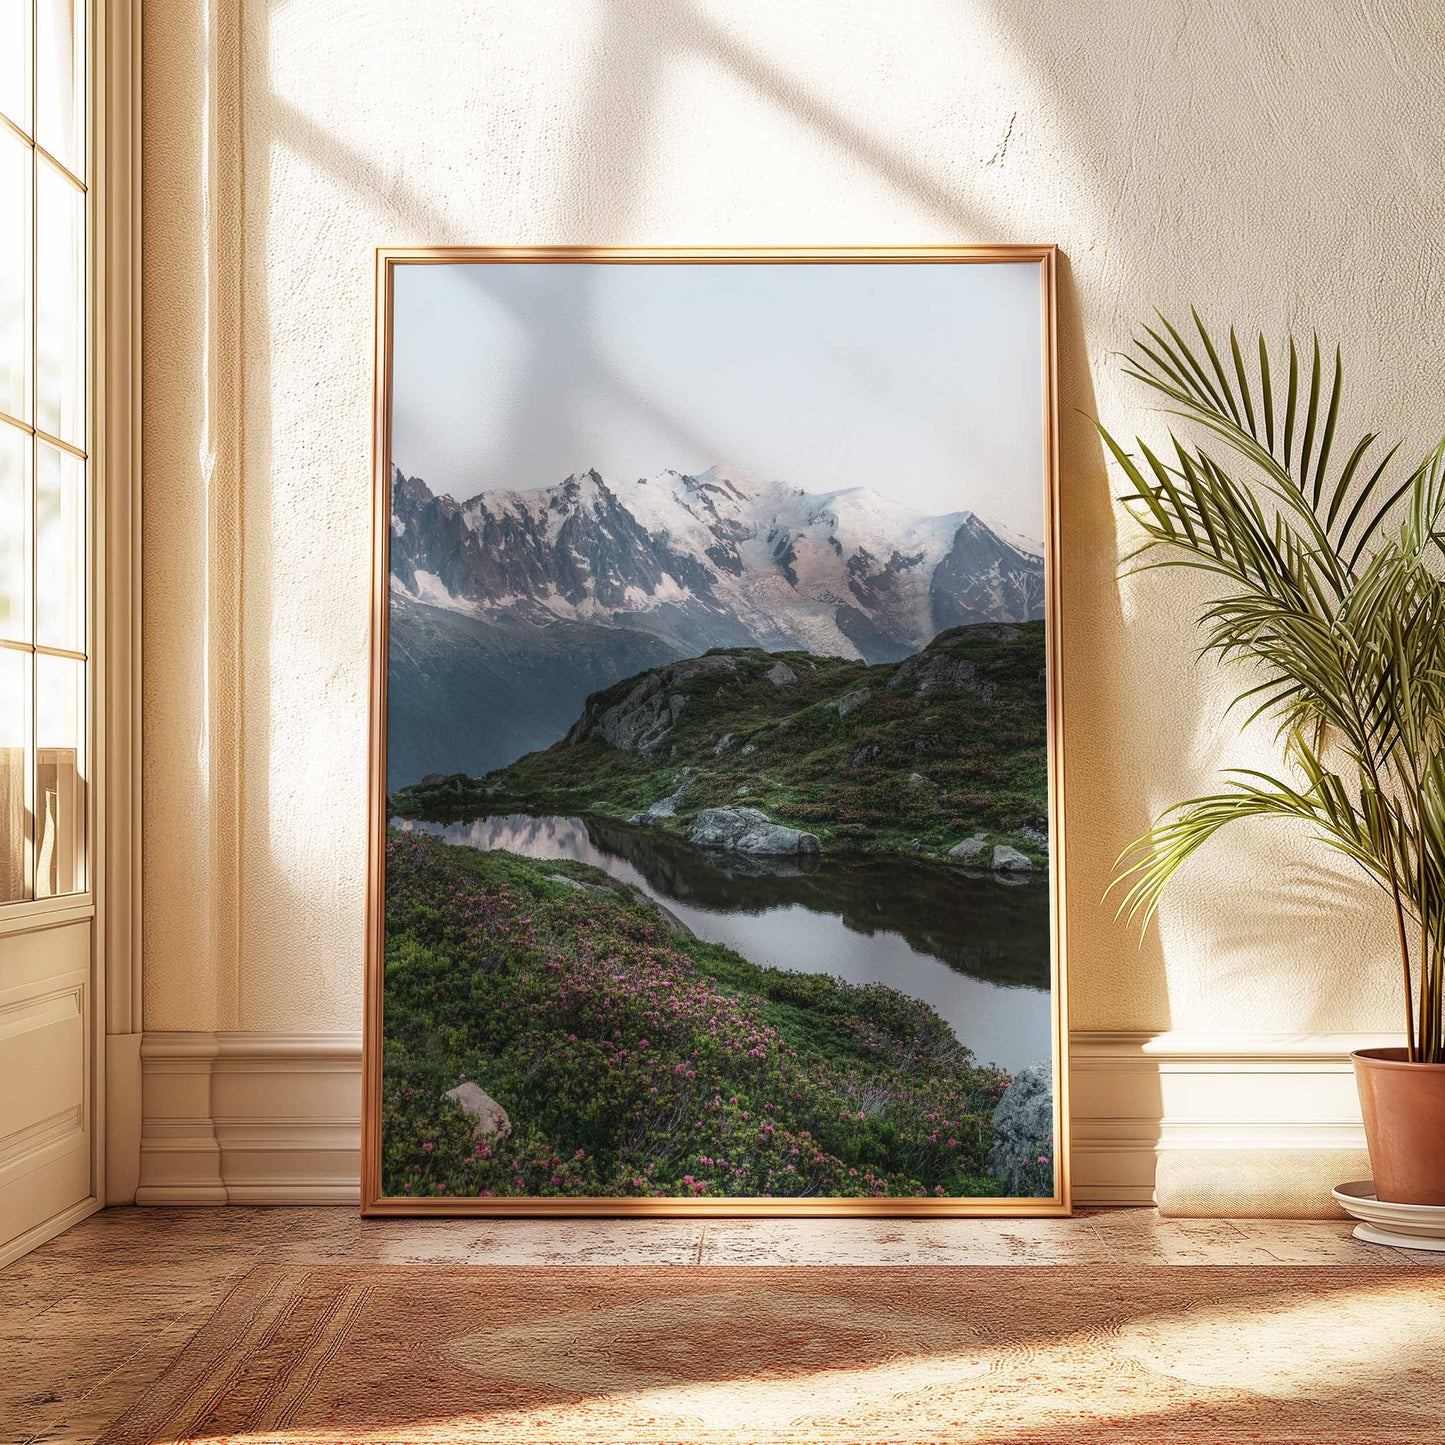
1215	1123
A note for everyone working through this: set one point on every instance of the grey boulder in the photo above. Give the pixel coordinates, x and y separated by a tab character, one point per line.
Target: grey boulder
781	675
930	672
850	701
970	850
1023	1129
667	807
491	1118
749	830
580	886
1010	860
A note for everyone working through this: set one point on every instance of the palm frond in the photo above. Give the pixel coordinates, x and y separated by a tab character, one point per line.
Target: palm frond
1329	594
1199	387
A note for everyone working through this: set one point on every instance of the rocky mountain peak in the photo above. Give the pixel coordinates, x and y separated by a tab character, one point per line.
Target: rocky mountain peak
719	557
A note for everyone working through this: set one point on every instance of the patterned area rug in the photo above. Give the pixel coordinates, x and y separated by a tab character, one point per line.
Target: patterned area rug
732	1356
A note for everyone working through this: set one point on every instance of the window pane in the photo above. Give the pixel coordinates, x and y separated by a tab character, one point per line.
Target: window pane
14	534
59	306
14	730
16	159
60	589
59	776
59	77
15	61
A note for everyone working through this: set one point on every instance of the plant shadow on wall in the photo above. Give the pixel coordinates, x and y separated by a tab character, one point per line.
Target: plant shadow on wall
1326	590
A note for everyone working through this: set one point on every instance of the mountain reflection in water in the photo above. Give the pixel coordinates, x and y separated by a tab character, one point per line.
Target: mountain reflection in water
975	948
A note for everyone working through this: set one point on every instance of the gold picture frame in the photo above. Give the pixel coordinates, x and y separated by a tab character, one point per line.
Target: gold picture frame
373	1201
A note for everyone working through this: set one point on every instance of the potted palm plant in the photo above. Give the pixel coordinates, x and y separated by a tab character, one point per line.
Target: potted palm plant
1327	563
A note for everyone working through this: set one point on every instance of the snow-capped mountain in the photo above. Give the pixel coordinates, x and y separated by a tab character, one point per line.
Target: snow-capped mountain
713	559
509	609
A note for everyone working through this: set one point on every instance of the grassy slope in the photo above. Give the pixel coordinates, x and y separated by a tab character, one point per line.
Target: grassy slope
635	1060
903	766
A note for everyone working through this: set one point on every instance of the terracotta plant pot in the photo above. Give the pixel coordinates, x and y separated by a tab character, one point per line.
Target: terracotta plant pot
1404	1109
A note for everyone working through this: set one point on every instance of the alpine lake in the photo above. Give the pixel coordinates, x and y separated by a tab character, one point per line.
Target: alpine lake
974	946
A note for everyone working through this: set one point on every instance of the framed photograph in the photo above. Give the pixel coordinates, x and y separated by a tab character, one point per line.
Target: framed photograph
716	774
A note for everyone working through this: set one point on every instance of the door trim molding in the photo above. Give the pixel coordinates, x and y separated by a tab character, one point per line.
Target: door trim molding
116	846
42	1233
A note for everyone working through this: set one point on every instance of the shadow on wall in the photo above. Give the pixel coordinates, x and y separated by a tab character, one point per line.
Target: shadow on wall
1102	778
278	894
1263	929
627	65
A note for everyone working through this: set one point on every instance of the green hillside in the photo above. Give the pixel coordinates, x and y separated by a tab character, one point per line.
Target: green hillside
895	757
635	1060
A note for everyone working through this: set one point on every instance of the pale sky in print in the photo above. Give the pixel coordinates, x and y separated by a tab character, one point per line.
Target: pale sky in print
921	381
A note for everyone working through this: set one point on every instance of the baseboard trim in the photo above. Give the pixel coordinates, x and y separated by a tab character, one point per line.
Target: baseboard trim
1238	1123
47	1229
250	1118
1220	1123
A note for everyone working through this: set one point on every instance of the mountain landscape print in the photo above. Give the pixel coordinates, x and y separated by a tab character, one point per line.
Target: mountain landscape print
718	843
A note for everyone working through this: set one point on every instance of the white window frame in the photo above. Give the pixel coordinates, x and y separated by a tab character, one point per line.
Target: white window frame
112	898
23	915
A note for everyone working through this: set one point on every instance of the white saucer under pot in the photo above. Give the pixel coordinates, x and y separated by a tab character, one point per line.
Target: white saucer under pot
1405	1226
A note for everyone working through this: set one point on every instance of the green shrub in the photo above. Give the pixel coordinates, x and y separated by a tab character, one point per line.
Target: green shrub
635	1061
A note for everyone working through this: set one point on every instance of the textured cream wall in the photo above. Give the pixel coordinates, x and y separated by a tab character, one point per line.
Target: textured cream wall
1278	162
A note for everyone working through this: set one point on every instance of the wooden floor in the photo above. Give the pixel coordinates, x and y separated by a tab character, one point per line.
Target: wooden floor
89	1320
